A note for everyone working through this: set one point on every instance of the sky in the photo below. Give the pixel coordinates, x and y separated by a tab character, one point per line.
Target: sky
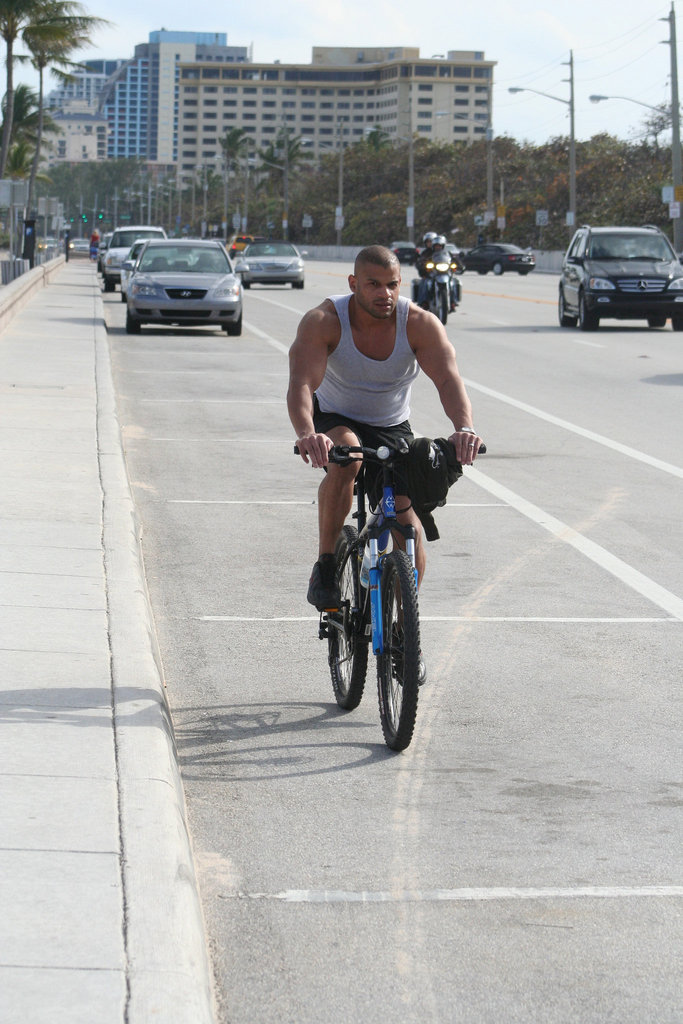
617	47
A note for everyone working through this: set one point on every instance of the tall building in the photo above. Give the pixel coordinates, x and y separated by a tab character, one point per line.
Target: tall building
80	136
342	95
84	85
140	101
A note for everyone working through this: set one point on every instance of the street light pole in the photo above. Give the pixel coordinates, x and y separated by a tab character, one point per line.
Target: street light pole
339	218
285	186
675	130
410	212
677	176
571	212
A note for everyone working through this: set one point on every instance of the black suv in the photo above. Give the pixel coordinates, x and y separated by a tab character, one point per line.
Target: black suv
623	274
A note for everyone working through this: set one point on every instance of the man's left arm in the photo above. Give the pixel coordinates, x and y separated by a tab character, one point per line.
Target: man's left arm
436	356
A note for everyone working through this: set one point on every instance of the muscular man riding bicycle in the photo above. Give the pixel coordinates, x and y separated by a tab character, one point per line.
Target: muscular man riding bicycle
352	366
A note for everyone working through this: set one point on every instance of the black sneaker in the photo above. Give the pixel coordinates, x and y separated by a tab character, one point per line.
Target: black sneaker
323	588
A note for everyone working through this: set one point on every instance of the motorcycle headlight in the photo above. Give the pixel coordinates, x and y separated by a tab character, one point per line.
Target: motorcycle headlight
442	267
429	266
600	284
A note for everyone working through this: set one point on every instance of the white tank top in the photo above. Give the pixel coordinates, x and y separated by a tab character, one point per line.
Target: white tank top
374	391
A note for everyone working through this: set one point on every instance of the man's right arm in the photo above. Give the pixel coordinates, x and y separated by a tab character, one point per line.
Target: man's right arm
307	363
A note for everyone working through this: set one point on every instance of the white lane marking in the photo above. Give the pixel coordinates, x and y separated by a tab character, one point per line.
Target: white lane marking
634	579
446	618
209	501
267	337
590	344
633	453
211	401
473	895
313	501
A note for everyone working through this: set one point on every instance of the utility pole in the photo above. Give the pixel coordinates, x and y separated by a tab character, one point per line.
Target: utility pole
285	170
410	212
571	213
339	218
675	131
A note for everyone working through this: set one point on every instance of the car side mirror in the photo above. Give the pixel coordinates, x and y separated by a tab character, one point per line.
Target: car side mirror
576	260
127	264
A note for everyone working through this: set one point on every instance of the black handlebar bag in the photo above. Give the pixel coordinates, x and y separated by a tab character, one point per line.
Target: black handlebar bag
432	468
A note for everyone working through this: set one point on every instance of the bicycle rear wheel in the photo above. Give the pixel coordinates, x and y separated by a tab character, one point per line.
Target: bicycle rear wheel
347	645
398	665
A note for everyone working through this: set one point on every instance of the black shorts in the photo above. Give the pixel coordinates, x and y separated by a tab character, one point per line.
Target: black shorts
371	437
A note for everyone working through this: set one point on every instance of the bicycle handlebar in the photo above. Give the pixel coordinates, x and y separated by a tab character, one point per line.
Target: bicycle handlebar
342	454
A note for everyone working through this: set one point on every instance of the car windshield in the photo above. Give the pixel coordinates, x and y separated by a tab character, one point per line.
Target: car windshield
122	239
184	259
629	247
270	249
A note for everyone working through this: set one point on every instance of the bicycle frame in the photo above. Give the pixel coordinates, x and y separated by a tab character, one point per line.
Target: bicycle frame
374	529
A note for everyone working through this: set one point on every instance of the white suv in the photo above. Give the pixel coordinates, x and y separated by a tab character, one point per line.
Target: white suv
118	249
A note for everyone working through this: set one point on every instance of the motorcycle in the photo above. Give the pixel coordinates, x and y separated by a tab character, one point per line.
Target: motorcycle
443	289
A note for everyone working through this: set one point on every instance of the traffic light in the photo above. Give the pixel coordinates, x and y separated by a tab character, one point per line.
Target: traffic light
85	218
100	215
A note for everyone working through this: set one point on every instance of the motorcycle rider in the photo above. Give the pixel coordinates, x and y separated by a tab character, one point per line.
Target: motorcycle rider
424	258
435	244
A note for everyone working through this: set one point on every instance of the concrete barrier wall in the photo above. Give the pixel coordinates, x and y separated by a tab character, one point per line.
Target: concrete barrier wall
17	293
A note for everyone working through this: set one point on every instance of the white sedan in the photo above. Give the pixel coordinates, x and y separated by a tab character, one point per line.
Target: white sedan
270	263
127	272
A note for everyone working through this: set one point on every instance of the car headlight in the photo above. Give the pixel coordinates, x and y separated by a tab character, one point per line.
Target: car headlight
227	290
145	288
296	265
600	284
676	285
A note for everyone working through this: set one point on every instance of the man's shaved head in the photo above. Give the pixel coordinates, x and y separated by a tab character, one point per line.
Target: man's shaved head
378	255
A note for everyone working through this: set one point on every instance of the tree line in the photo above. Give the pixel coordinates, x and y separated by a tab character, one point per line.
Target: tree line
617	182
50	31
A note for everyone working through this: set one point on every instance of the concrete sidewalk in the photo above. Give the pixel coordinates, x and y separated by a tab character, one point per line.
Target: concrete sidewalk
100	919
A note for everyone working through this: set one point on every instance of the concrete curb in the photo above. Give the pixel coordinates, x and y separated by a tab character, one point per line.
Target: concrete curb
169	977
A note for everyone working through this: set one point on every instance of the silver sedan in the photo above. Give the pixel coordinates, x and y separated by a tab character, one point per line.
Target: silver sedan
186	283
271	263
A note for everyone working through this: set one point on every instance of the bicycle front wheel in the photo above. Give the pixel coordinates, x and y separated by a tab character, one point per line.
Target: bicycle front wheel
347	644
398	665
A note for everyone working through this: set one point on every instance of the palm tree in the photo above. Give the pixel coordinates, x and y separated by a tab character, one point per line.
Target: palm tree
25	119
15	15
55	31
234	144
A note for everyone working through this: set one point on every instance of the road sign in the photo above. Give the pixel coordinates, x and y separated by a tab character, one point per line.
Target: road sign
667	193
674	210
678	193
541	218
307	221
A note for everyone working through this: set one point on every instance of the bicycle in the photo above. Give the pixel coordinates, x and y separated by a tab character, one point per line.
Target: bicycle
384	612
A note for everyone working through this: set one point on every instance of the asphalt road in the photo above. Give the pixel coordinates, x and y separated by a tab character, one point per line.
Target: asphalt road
521	861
